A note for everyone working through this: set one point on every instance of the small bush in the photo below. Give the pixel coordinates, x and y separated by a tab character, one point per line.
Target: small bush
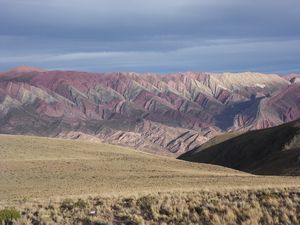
99	223
99	202
67	204
80	204
9	215
127	202
165	210
138	220
146	205
146	202
86	221
123	218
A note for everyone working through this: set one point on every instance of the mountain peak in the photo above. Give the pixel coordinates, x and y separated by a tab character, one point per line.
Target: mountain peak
26	69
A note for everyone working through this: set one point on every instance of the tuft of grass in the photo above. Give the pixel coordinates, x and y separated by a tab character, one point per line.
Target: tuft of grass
146	204
86	221
81	204
7	216
67	204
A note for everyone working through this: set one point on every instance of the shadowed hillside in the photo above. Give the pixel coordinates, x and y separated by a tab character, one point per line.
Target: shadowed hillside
273	151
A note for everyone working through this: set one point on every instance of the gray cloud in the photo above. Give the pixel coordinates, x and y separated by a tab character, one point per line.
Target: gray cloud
155	35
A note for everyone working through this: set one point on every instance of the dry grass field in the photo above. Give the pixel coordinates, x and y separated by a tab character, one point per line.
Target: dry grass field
36	172
34	167
246	207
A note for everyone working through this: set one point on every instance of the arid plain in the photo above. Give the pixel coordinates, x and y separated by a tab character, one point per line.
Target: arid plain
34	167
57	181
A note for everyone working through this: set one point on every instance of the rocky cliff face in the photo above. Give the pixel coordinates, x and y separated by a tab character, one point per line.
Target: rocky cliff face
165	114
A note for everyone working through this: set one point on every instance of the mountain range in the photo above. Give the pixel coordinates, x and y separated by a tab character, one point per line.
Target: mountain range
164	114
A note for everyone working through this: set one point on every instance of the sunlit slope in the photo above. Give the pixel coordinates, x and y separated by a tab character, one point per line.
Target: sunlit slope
272	151
33	167
37	167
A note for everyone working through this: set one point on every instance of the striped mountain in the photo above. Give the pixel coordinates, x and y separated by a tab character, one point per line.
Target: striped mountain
165	114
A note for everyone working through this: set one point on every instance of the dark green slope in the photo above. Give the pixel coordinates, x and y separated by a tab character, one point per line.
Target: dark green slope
272	151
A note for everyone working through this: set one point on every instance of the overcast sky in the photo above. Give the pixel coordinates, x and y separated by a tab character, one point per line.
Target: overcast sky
151	36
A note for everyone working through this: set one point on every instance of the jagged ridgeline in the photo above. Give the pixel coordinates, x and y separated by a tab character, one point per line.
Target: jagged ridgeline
165	114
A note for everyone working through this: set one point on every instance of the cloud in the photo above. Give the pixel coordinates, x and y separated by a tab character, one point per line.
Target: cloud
217	56
116	20
150	35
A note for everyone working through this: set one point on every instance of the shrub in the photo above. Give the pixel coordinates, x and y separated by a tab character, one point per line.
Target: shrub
99	202
99	223
138	220
67	204
9	215
86	221
80	204
146	205
146	202
128	202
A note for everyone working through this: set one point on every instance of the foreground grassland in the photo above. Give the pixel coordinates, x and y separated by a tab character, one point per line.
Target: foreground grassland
44	178
268	206
33	167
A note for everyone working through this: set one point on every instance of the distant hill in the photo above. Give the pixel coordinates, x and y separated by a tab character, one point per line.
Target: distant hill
272	151
163	114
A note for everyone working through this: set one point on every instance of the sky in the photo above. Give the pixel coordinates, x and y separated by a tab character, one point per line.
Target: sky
162	36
